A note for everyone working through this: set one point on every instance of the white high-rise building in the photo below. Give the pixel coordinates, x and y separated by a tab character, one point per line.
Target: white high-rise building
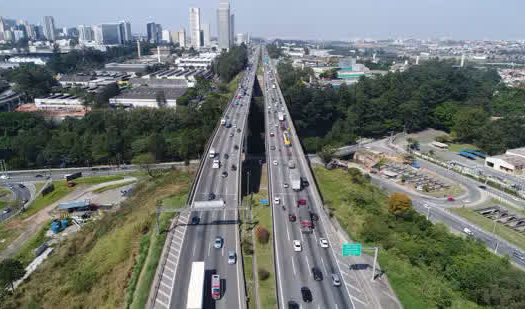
182	38
224	23
195	27
166	37
49	28
206	35
85	33
232	29
125	29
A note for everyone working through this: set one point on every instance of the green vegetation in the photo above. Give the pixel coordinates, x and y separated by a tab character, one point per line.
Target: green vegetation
31	80
431	95
42	201
113	186
10	271
26	254
97	179
97	265
487	224
274	51
427	266
230	63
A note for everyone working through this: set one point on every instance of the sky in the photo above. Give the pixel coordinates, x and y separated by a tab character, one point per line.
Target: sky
295	19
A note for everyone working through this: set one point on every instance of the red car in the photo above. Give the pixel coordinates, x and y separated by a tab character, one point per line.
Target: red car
301	202
451	199
292	217
271	134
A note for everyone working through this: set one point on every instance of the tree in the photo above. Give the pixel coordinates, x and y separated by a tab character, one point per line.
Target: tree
262	234
160	97
33	81
10	271
327	153
399	203
468	123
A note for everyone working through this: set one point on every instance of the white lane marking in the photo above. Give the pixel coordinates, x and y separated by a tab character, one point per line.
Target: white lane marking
324	265
357	299
336	307
287	232
315	236
293	265
161	302
209	248
161	282
165	294
194	247
307	262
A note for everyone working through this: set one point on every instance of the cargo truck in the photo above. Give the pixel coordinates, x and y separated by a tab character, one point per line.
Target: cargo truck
295	180
196	287
305	217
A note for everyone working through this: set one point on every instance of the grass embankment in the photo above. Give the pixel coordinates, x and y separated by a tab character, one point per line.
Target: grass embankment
487	224
26	254
427	266
96	267
113	186
458	147
5	198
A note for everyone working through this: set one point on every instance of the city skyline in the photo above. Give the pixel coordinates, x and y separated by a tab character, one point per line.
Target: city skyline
334	19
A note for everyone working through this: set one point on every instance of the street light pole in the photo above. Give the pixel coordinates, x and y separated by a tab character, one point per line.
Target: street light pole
428	210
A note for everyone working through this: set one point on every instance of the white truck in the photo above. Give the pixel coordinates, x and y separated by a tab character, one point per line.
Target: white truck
223	121
295	180
216	163
280	115
212	152
196	287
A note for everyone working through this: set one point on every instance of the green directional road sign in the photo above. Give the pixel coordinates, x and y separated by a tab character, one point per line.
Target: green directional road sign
353	248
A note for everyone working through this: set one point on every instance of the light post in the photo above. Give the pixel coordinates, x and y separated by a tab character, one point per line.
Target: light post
428	210
495	237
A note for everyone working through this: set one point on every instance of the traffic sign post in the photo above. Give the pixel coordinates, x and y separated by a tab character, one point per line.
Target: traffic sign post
351	249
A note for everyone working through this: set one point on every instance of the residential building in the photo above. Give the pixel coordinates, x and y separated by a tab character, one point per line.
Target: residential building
206	35
49	28
195	27
224	26
166	36
182	38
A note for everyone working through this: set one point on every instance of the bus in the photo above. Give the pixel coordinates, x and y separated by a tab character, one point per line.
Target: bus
286	138
196	287
70	177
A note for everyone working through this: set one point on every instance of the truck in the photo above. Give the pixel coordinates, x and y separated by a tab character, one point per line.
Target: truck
295	180
196	287
212	152
305	217
216	163
223	121
273	86
280	115
215	287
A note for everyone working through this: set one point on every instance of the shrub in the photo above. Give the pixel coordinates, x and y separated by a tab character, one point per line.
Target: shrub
262	234
263	273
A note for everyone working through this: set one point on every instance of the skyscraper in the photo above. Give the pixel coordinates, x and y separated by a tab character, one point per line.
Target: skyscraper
182	38
224	23
195	27
108	34
206	35
125	29
166	36
49	28
232	29
154	32
85	33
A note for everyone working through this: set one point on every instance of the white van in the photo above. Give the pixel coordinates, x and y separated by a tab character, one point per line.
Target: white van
468	232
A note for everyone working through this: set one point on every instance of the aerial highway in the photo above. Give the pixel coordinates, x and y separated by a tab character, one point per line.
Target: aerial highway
294	267
218	181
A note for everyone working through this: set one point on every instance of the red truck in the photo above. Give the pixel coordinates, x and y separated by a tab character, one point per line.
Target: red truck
305	217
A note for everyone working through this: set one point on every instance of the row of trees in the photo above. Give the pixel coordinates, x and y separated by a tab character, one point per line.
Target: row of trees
230	63
431	95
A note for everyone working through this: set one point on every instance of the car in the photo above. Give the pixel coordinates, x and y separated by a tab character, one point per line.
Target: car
21	185
467	231
39	175
235	147
314	217
276	125
195	220
226	156
238	130
306	294
323	242
232	257
297	246
218	242
272	147
211	196
518	254
275	162
4	176
231	134
234	167
271	134
293	305
318	275
6	210
235	125
224	174
285	185
451	199
482	187
292	218
277	200
336	281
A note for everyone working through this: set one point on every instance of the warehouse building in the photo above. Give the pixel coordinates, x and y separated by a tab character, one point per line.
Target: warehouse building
143	96
512	162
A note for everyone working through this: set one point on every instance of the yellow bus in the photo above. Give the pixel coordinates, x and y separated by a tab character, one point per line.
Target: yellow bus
286	138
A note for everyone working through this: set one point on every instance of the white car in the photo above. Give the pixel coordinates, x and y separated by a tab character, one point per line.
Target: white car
275	162
285	185
4	176
297	246
277	200
323	243
468	231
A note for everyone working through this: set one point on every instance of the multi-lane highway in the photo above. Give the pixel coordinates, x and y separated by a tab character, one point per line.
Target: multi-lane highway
294	269
20	193
215	184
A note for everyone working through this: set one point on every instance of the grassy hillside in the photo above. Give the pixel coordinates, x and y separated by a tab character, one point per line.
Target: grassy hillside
427	266
94	268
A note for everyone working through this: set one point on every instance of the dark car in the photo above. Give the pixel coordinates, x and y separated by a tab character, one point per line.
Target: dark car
304	182
195	220
315	217
226	156
318	275
235	147
306	294
39	175
224	174
211	196
234	167
292	217
483	187
293	305
238	130
21	185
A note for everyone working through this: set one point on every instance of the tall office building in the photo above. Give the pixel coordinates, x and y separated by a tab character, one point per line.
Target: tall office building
49	28
182	38
154	32
206	35
85	33
108	34
166	36
224	23
125	31
195	27
232	29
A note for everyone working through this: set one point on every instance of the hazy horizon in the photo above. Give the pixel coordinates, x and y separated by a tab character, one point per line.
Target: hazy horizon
293	19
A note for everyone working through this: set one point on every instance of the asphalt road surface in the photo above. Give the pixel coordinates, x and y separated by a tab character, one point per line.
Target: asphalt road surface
20	193
198	239
294	268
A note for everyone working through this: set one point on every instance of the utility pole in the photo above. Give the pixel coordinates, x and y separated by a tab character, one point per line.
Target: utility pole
159	205
375	261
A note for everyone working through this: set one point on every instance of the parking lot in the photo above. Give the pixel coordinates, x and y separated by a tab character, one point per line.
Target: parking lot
502	216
